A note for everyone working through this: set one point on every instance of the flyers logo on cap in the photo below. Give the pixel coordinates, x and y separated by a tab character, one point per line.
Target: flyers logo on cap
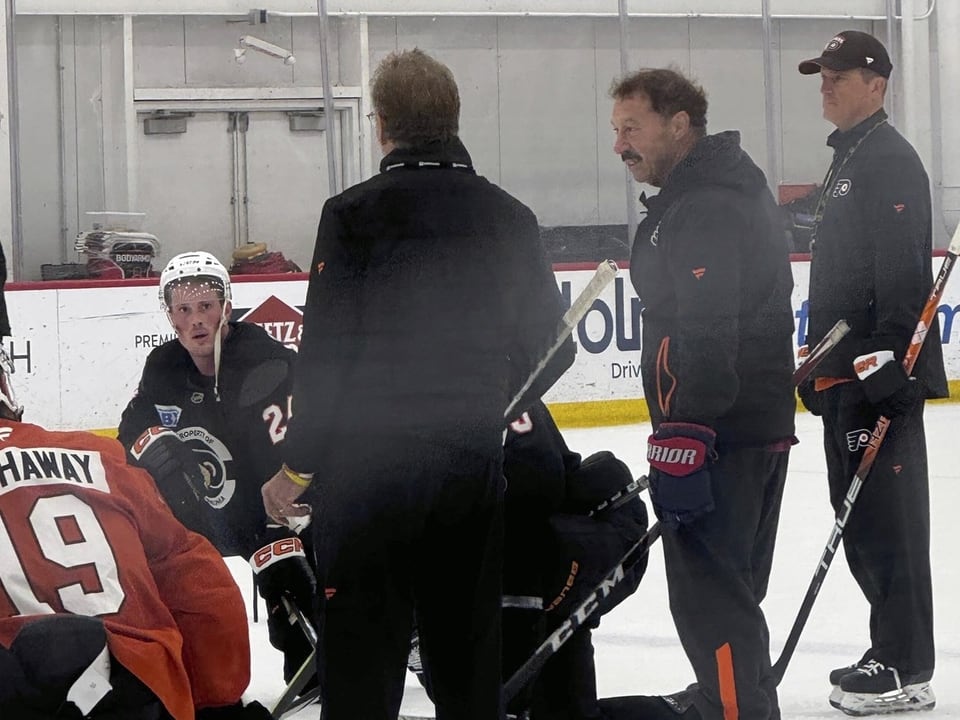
834	44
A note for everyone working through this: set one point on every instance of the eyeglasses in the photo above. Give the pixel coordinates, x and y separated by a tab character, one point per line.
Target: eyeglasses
371	116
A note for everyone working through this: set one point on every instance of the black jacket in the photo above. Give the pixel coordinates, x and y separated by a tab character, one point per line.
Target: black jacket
711	267
872	262
430	298
238	438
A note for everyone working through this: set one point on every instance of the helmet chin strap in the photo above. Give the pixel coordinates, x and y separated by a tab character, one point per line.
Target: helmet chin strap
217	347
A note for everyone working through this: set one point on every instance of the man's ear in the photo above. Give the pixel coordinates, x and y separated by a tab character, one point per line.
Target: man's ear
880	85
378	125
680	123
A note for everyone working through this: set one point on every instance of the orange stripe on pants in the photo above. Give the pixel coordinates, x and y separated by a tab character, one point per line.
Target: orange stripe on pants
728	687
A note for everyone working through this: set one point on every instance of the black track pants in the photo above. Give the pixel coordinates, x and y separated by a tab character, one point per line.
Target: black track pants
717	572
411	533
887	537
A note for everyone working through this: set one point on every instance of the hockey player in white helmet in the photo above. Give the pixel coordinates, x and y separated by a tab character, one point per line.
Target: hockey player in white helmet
195	292
208	421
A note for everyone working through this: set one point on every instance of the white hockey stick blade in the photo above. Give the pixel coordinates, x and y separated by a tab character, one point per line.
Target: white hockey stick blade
606	272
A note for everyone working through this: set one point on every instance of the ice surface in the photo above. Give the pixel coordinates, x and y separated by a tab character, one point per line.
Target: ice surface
637	651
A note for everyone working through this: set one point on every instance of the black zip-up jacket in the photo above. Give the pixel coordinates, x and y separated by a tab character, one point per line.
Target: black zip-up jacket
872	263
238	438
430	299
711	266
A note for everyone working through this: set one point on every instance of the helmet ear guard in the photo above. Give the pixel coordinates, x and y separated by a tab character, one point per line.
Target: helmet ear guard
194	265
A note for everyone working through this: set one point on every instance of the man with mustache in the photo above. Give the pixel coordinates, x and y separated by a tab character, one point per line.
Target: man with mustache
711	266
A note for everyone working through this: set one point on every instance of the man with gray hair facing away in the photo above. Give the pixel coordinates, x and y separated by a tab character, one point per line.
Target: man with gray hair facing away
430	302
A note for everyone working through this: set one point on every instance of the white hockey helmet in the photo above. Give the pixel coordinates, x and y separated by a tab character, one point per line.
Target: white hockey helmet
7	396
198	264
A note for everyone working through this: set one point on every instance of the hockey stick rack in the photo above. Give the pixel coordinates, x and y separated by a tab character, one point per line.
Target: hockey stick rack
528	671
866	462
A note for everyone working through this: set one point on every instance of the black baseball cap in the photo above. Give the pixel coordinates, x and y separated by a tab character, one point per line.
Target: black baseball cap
848	50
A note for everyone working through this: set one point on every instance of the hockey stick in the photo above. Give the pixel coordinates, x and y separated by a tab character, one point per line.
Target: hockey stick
606	272
622	497
866	462
291	701
526	672
817	353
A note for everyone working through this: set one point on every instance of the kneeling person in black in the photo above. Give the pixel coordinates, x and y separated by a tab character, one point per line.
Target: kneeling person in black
208	422
557	554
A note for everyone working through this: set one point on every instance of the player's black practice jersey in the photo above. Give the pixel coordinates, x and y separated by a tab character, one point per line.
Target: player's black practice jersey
237	436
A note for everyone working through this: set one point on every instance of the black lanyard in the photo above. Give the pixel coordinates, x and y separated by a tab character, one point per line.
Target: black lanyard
832	173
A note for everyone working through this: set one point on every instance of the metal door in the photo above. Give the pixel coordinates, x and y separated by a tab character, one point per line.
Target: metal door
287	183
185	185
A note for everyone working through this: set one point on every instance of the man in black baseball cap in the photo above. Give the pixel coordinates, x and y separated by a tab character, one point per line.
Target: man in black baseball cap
848	50
871	264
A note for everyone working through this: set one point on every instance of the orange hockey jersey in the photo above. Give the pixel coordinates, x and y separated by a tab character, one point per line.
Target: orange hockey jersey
82	532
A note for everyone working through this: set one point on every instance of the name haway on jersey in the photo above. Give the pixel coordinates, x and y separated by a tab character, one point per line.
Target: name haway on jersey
21	467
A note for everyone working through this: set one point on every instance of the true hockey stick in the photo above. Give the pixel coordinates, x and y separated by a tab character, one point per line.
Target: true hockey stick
526	672
606	272
866	462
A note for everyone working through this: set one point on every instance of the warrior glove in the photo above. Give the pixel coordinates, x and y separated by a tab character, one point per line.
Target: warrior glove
680	455
282	571
886	384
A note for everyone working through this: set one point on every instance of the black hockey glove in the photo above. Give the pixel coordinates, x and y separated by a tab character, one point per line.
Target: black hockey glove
812	399
282	571
886	384
161	453
680	455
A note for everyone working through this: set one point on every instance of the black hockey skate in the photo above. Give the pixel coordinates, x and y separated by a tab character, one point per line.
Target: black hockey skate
876	689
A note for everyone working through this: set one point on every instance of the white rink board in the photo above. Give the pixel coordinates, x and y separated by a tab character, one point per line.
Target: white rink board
79	351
